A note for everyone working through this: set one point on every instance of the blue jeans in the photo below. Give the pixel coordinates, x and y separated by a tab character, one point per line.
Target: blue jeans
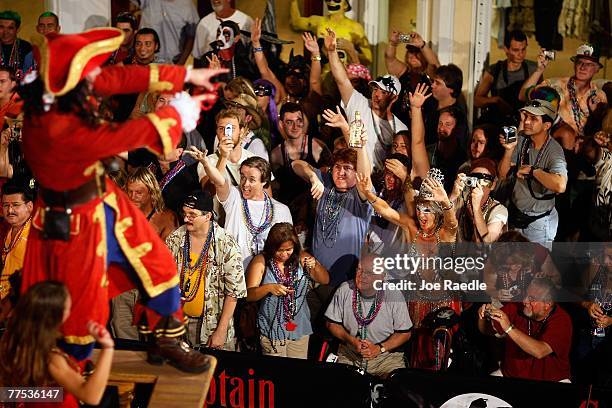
542	231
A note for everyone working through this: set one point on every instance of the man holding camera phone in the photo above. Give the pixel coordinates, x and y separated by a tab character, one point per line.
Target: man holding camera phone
579	95
541	172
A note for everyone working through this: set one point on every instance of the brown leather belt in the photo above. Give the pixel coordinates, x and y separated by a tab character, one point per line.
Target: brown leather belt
86	192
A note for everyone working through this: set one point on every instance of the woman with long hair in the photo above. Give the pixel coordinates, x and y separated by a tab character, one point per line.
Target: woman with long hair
280	277
29	356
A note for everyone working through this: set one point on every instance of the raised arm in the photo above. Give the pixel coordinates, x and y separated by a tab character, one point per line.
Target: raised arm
394	65
310	43
337	68
534	78
307	173
262	62
364	186
214	175
420	160
506	162
314	268
430	56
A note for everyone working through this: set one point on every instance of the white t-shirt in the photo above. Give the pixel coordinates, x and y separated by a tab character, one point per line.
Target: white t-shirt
235	222
380	131
172	20
206	32
232	173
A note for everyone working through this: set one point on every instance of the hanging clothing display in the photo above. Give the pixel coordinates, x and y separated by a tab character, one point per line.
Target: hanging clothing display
599	25
547	14
574	19
522	17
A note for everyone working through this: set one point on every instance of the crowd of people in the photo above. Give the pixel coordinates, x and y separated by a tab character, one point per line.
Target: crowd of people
273	206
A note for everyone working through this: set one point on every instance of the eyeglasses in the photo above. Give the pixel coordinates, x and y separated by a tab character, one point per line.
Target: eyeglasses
586	64
192	216
7	206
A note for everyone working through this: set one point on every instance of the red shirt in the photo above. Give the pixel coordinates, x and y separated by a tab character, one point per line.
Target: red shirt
556	331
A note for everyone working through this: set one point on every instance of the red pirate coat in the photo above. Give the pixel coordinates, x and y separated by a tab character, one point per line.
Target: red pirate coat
64	152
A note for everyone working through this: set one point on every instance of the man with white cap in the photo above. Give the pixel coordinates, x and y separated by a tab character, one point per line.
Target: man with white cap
579	95
380	124
541	172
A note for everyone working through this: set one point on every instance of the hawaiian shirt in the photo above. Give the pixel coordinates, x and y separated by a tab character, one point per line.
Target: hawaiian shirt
224	276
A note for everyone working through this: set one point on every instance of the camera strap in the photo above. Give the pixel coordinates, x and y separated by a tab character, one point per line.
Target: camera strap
524	160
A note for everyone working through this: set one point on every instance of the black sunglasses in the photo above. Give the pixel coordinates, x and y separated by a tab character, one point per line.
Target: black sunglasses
482	176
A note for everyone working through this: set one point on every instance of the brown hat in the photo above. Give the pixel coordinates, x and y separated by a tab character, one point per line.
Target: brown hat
248	103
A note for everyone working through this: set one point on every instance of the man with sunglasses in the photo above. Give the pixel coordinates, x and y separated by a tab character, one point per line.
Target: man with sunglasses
537	338
481	217
541	173
579	95
210	271
380	123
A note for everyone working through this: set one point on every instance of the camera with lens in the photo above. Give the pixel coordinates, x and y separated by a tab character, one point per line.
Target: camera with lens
510	133
406	38
471	182
549	55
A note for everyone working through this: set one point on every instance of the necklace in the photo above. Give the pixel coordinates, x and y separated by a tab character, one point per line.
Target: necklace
14	241
303	152
525	151
14	58
171	174
542	323
333	210
288	278
577	111
264	224
187	272
364	321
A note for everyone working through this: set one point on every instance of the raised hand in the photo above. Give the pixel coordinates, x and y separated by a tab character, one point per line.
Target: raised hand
213	62
100	334
310	43
226	146
419	96
330	40
317	189
335	119
417	40
197	154
507	146
397	168
437	190
542	61
364	183
394	37
256	33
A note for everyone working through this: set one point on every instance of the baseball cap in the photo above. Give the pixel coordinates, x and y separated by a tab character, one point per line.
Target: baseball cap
587	51
388	83
541	107
199	200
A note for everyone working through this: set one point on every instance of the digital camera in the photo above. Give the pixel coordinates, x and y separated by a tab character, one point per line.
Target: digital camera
471	182
510	133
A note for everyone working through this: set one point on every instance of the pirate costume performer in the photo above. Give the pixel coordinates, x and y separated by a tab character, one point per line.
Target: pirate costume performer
85	231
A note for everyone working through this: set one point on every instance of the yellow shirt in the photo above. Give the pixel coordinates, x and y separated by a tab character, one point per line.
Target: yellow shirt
197	284
13	260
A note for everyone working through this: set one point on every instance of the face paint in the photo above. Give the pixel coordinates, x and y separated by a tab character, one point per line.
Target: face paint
225	37
336	6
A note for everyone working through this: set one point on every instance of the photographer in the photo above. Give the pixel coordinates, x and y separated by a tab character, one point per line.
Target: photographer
481	217
541	173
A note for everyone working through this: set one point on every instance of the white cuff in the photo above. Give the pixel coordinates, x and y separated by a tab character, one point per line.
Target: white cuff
188	109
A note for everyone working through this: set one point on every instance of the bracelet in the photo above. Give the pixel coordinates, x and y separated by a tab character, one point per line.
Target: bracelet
450	207
315	58
373	201
257	49
509	329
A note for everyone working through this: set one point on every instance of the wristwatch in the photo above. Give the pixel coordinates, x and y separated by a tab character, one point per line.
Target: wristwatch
382	348
532	169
